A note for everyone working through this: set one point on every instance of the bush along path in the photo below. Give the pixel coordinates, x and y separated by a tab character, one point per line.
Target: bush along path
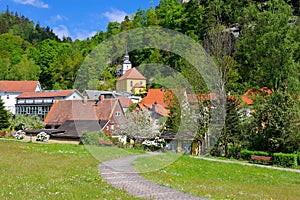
120	174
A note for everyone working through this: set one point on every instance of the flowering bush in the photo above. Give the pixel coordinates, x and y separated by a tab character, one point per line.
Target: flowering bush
19	135
157	143
42	136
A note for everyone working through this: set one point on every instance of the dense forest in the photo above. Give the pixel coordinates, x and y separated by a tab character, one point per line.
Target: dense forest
264	52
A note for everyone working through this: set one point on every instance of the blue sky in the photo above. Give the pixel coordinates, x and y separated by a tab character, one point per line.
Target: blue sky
78	19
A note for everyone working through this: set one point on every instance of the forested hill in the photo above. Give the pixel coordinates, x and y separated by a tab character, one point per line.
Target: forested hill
265	53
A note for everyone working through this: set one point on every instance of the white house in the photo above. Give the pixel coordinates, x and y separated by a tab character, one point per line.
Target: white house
9	90
39	103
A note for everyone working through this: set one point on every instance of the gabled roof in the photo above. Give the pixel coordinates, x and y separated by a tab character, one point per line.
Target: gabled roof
250	94
63	110
125	102
161	110
132	73
44	94
155	96
74	128
19	86
138	85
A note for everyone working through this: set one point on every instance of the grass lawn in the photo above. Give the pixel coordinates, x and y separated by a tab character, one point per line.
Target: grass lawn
55	171
215	180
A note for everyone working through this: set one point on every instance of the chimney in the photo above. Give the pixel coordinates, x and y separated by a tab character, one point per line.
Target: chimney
85	99
154	106
101	98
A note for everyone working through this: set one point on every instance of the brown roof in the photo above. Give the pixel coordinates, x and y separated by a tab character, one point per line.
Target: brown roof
132	73
138	85
250	94
18	86
60	93
155	95
63	110
161	110
125	102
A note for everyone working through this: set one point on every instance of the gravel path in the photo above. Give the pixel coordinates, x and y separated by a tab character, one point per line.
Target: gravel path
120	174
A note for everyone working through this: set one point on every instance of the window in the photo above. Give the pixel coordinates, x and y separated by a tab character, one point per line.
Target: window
29	101
40	110
48	100
118	113
141	82
131	83
7	96
20	101
38	101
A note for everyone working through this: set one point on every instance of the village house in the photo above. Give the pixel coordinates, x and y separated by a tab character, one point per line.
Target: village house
10	90
156	101
125	100
131	81
72	117
39	103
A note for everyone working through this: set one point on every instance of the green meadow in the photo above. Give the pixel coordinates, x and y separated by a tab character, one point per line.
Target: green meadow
217	180
65	171
54	171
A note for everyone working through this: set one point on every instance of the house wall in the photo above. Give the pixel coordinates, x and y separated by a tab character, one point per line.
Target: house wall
121	85
139	91
74	96
116	119
127	84
9	100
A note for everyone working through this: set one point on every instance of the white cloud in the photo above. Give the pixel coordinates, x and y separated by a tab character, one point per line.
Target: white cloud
35	3
57	18
84	34
61	31
115	15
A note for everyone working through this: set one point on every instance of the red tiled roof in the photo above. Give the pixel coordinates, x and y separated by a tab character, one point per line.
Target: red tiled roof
138	85
132	73
125	102
18	86
155	95
161	110
63	110
60	93
249	95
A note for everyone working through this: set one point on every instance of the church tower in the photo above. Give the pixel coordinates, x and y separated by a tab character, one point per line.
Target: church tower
126	63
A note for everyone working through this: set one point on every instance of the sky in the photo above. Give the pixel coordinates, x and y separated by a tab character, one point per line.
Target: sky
78	19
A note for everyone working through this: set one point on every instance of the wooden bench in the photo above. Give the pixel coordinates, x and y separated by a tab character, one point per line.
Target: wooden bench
261	158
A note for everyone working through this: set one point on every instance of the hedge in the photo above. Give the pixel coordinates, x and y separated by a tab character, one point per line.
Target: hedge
246	154
285	160
298	158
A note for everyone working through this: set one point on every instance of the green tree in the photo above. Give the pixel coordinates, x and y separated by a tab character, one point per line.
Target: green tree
265	49
220	45
46	54
21	122
231	130
276	123
4	116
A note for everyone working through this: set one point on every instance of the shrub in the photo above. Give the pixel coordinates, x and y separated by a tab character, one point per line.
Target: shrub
246	154
90	138
298	158
21	122
95	138
285	160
